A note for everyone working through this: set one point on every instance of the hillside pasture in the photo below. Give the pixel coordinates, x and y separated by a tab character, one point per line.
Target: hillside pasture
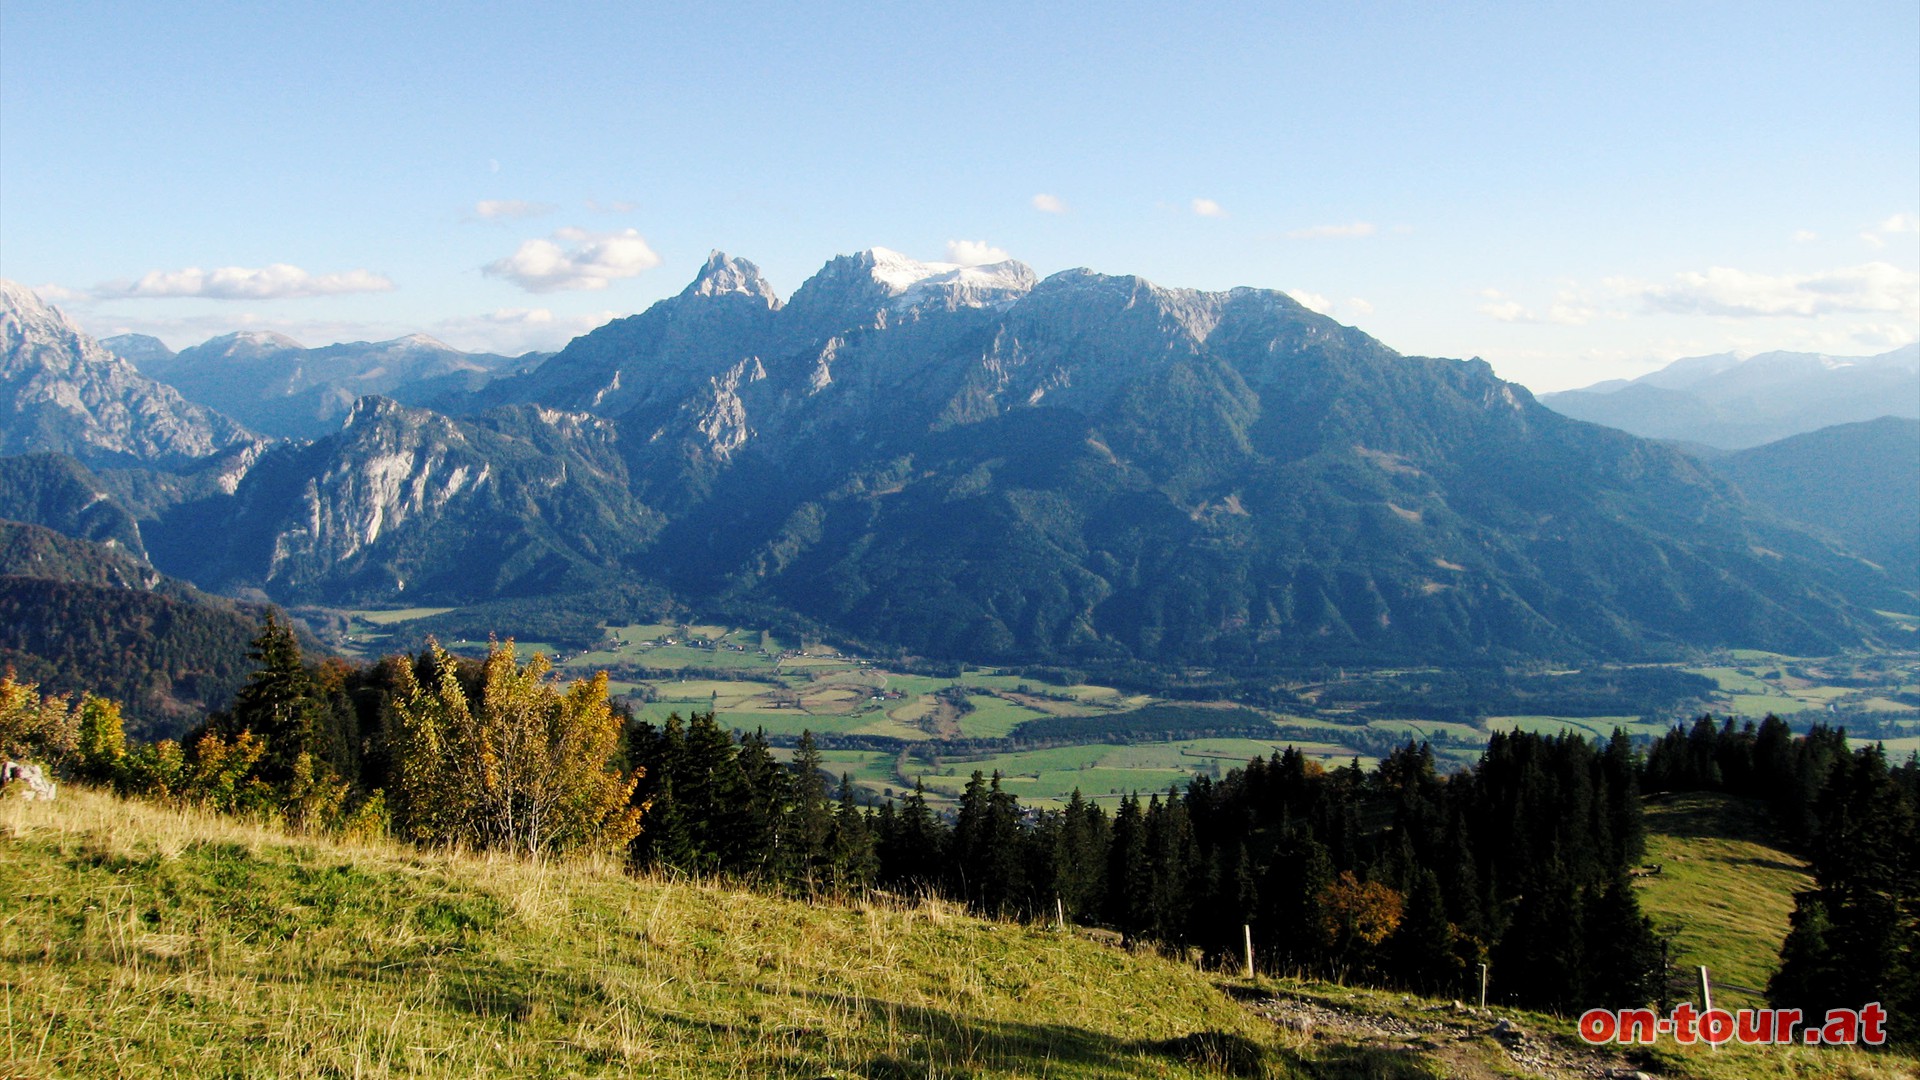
138	941
1725	888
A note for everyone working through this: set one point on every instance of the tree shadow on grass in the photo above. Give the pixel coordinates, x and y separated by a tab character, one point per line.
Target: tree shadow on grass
1699	816
938	1043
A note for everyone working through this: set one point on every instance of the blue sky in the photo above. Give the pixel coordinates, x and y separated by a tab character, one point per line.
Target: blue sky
1574	192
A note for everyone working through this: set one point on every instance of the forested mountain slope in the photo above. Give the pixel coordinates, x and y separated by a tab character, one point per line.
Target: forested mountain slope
1861	482
78	616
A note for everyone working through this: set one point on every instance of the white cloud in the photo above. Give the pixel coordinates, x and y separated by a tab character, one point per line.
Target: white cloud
1208	208
504	209
1805	236
277	282
1570	307
1049	204
974	253
1322	232
1874	287
1892	226
512	331
58	294
1312	301
587	261
1359	306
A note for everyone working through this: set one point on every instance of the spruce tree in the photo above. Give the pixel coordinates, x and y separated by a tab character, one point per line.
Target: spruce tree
1423	953
967	862
710	792
1623	952
1080	858
1129	878
761	820
278	703
810	823
1002	856
850	846
916	852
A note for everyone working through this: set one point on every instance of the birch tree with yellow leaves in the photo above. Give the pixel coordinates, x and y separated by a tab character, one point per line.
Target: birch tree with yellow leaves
511	760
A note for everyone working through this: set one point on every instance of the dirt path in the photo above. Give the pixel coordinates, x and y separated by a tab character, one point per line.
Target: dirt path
1466	1043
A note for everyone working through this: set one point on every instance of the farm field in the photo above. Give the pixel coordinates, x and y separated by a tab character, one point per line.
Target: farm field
1754	684
885	729
1590	726
1046	778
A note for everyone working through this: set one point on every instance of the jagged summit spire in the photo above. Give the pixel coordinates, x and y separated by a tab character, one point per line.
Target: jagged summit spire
724	274
24	310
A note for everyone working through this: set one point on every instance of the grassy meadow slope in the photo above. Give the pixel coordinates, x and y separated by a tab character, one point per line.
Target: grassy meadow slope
141	940
1725	888
138	940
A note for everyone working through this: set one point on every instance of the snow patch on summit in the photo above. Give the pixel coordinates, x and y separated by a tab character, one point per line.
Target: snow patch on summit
913	283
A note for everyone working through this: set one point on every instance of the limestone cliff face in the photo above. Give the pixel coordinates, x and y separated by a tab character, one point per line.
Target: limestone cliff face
402	499
61	391
390	467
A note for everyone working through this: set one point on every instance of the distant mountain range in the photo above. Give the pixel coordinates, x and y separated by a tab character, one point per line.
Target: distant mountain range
276	385
1860	482
61	391
1725	402
967	462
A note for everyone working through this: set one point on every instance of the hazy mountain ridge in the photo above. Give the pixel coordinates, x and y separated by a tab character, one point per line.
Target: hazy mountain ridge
1860	482
277	385
60	391
1734	404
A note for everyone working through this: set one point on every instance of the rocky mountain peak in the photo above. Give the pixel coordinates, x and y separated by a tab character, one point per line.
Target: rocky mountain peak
24	314
244	345
877	286
373	407
421	341
723	275
950	285
140	350
62	391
